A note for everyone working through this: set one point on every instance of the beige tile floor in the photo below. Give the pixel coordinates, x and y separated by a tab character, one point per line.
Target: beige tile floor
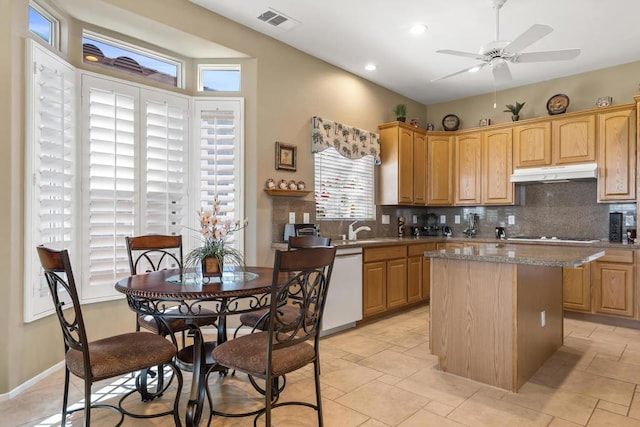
382	374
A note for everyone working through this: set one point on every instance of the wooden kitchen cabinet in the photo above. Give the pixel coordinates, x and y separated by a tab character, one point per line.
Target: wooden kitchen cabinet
439	169
576	288
404	165
418	272
468	169
617	155
612	280
573	139
384	279
532	145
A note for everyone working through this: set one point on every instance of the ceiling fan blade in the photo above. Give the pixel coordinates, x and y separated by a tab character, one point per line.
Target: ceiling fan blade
465	54
549	55
479	66
501	73
524	40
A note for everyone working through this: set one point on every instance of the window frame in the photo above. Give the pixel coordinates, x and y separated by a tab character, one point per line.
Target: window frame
218	67
137	49
54	24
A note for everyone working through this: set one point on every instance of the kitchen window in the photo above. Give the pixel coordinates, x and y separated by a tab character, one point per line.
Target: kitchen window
43	24
344	188
219	78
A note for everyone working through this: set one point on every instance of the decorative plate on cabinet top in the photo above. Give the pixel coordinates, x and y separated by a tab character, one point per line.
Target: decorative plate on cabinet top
450	122
557	104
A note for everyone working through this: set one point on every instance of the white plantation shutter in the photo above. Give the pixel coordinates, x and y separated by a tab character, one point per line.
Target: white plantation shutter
50	176
164	184
220	160
109	140
344	188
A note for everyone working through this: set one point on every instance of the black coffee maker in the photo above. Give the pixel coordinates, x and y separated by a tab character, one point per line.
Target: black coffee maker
501	233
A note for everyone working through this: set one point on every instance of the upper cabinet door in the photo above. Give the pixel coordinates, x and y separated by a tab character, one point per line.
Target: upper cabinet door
439	170
532	145
617	155
405	166
497	167
574	140
419	168
467	172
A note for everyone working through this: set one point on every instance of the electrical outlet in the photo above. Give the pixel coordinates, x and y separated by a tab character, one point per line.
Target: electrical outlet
456	219
386	220
292	217
415	219
511	219
443	219
543	318
305	217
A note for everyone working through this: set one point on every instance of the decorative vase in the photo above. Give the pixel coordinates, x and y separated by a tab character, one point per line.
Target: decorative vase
401	119
211	266
515	118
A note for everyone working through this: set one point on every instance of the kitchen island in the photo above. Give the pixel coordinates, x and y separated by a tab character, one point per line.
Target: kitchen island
496	310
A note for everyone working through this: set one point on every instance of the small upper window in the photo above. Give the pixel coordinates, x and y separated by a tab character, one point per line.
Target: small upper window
219	78
131	59
43	24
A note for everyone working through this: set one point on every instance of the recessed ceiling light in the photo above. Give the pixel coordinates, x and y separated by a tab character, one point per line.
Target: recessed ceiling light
370	67
418	29
474	69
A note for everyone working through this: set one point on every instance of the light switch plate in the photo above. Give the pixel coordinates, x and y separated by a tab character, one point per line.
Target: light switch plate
385	219
511	219
443	219
305	218
456	219
292	217
415	219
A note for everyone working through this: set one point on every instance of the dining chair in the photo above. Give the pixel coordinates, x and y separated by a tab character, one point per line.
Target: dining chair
257	320
153	252
104	358
302	278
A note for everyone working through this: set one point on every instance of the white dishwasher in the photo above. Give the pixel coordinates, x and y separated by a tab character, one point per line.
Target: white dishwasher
344	301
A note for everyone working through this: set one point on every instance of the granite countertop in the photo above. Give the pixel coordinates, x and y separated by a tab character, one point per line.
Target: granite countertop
522	254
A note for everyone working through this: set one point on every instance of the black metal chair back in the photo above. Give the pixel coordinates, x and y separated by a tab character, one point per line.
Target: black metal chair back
154	252
296	242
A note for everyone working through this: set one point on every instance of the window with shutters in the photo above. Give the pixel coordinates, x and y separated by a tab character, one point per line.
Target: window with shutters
50	180
344	188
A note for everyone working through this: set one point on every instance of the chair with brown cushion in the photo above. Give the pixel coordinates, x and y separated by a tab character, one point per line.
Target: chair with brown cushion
105	358
301	278
257	320
153	252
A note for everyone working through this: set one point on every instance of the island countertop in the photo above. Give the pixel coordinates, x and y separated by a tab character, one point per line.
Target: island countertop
551	256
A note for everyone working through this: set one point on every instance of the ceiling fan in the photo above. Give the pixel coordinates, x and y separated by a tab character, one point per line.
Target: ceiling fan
497	54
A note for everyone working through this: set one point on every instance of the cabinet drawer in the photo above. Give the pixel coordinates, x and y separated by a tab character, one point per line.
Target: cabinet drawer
421	248
387	252
617	255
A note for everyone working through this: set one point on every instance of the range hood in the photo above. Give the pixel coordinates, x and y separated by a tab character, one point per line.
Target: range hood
551	174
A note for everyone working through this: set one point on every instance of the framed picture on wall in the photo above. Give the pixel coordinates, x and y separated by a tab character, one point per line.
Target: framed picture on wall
285	157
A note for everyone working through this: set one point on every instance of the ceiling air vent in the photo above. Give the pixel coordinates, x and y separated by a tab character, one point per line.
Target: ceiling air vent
278	19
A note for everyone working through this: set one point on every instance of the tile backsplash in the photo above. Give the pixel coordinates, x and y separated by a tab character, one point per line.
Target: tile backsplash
559	209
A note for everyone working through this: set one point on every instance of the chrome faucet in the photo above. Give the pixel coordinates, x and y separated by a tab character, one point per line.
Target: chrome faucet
473	225
353	234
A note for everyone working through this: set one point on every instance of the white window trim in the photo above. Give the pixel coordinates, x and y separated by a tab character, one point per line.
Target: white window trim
55	24
214	67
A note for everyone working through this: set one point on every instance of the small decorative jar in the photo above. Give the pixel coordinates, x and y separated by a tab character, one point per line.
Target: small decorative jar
301	185
270	184
293	185
283	184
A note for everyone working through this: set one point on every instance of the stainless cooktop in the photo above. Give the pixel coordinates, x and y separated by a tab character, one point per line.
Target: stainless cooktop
553	239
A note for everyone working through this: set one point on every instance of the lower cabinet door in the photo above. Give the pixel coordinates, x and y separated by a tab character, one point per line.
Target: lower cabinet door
374	292
576	288
396	283
414	279
426	278
613	288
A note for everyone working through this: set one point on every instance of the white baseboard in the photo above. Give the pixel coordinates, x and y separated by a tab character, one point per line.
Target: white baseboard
22	387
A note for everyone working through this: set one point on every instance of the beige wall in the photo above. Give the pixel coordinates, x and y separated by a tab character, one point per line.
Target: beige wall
282	89
620	82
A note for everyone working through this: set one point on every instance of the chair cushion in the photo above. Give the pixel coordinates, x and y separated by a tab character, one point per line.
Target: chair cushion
122	354
256	320
177	324
248	353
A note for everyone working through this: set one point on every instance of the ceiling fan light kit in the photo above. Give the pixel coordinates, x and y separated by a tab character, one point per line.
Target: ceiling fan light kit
498	53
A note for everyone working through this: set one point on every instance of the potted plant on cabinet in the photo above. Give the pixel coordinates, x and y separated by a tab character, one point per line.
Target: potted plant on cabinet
216	248
514	110
401	112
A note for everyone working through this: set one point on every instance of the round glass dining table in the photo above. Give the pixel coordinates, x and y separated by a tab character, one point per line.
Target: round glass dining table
176	293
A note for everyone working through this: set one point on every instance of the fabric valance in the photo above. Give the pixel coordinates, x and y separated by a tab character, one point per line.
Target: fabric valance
348	141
